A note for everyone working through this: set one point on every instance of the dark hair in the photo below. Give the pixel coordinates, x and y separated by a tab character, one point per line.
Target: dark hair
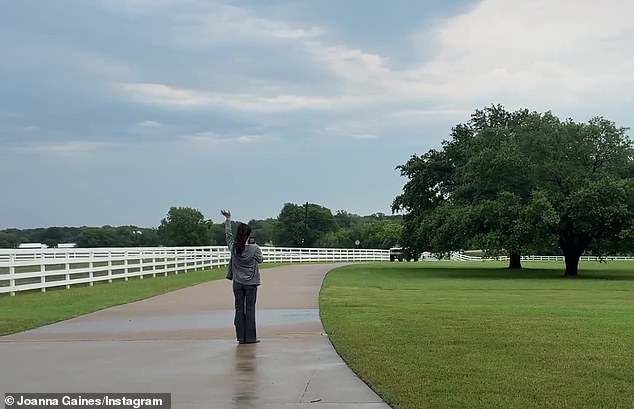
242	235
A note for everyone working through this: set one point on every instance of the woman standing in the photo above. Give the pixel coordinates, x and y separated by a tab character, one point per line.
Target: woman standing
245	273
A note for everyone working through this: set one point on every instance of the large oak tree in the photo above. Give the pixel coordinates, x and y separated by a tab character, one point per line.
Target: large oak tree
512	182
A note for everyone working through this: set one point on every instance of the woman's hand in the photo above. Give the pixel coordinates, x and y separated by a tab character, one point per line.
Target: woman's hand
226	214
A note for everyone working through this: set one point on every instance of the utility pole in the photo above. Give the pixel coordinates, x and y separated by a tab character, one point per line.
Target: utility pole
305	223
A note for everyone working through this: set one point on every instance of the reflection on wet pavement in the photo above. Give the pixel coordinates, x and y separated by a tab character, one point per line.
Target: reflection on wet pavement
178	322
245	377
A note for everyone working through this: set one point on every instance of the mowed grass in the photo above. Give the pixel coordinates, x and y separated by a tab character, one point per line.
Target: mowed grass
463	335
30	310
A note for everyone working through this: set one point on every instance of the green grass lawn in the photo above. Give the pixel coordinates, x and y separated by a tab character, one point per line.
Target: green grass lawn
30	310
476	335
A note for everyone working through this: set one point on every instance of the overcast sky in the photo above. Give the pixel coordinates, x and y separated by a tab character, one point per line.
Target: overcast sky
111	111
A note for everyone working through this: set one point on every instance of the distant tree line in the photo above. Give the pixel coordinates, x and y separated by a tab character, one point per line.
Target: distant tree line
105	236
297	225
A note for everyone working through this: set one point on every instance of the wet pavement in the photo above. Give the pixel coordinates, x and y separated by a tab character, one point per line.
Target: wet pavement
183	343
176	322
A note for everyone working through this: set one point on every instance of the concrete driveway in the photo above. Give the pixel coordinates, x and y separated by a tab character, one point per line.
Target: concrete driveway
183	343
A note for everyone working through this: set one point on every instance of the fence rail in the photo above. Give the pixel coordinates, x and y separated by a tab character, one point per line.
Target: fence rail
464	257
39	269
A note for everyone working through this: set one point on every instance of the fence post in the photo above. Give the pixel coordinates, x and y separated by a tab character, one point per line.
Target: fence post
154	263
91	266
109	266
141	264
125	265
67	267
42	272
12	288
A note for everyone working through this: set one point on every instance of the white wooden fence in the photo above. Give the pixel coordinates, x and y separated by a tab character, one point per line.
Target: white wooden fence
39	269
464	257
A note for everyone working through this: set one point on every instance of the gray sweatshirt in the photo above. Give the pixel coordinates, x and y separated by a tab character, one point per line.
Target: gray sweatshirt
243	268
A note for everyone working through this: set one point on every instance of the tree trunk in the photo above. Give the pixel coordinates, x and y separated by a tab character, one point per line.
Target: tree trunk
573	247
572	264
515	261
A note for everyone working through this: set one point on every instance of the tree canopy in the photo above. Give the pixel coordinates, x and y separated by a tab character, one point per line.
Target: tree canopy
303	225
184	226
514	182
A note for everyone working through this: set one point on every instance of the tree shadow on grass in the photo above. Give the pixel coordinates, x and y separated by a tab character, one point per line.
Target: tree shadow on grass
607	276
501	273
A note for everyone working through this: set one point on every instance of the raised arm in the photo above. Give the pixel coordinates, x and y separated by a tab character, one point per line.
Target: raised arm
228	232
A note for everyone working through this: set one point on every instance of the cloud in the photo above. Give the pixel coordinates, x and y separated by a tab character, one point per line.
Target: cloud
412	116
148	7
363	136
182	98
355	77
359	129
202	23
295	33
351	64
533	50
149	124
212	137
231	25
69	146
160	94
392	121
538	52
248	138
242	23
54	57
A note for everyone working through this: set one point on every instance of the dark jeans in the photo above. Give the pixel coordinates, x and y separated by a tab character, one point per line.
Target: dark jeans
245	297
